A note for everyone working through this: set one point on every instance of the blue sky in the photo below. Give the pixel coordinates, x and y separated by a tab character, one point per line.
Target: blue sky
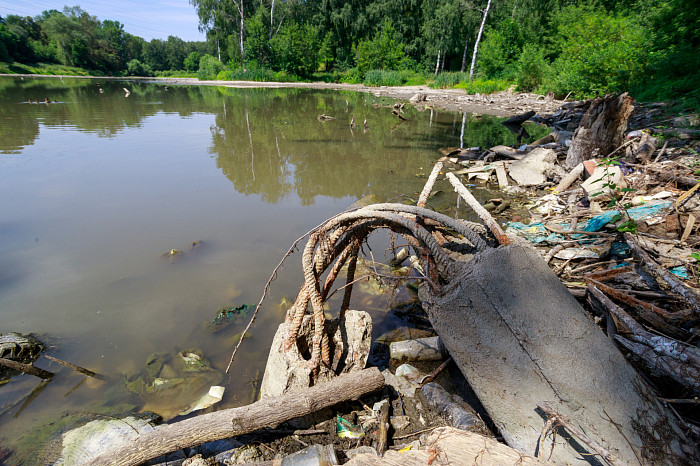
150	19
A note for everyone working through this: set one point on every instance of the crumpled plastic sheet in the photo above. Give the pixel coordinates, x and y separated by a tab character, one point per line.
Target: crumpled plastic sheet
535	232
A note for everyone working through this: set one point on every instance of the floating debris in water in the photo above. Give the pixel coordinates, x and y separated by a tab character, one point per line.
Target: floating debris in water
226	316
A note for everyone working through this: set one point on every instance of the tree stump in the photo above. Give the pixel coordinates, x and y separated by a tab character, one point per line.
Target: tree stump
603	128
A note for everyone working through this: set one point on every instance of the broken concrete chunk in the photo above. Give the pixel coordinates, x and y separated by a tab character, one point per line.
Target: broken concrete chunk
286	371
533	168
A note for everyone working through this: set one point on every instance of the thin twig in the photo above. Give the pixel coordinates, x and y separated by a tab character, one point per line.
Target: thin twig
418	432
267	289
430	377
621	147
543	435
680	401
568	425
662	152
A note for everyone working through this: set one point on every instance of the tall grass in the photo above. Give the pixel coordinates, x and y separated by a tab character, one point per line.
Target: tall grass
257	74
375	78
45	69
448	80
484	86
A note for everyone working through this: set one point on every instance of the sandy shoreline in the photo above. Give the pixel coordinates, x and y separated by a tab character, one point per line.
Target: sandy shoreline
503	104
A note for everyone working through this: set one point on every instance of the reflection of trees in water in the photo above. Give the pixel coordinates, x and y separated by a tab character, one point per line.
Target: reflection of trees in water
270	142
90	105
266	141
296	153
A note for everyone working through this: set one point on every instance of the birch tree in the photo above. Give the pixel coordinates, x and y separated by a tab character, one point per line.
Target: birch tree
478	38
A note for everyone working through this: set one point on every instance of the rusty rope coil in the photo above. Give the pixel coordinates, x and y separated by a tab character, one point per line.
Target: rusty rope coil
339	240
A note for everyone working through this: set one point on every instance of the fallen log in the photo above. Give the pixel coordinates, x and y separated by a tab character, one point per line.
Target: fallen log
662	365
519	119
671	280
520	339
268	412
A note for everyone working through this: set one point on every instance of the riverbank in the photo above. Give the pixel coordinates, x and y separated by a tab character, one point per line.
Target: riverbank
501	104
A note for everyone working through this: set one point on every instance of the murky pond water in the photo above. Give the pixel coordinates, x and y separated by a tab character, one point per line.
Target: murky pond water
97	185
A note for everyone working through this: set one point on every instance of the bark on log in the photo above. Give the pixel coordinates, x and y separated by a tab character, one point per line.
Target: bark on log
26	368
673	282
268	412
661	365
520	339
602	127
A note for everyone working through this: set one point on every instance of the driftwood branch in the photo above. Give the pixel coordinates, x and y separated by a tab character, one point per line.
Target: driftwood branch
685	374
26	368
383	437
82	370
479	210
429	185
659	344
673	282
268	412
569	179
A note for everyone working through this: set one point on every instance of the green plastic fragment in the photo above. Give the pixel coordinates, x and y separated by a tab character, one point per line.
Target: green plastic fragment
347	430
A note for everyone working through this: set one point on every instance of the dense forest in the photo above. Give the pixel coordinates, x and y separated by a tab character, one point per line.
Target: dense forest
576	47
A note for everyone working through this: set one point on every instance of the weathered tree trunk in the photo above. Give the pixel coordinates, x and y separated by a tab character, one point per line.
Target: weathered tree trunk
520	339
268	412
603	128
437	64
272	12
478	38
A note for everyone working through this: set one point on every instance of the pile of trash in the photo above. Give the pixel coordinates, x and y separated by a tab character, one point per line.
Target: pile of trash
617	229
621	231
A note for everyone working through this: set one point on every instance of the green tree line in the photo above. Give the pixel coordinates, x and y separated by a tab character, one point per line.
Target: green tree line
576	47
74	38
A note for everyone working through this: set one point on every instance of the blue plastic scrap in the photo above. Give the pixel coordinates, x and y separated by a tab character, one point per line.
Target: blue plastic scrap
648	210
534	233
680	272
599	221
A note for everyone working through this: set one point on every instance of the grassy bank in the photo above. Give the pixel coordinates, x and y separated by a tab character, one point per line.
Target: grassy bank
47	69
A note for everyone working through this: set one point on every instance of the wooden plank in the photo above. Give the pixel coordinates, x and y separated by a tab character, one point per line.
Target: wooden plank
501	175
